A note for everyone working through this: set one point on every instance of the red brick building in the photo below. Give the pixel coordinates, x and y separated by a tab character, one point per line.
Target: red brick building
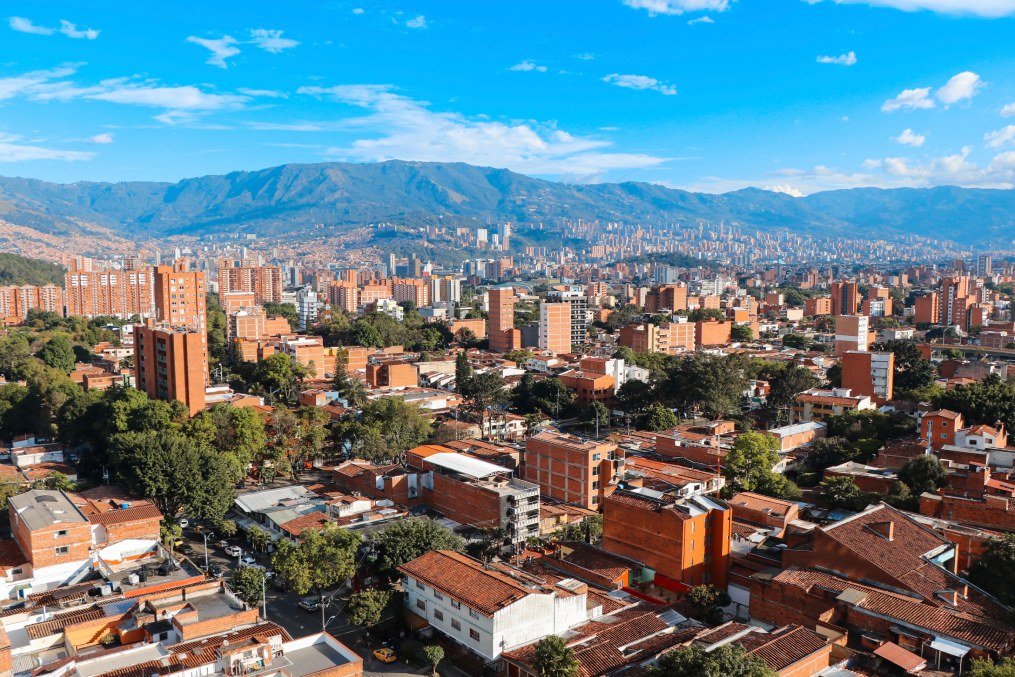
569	469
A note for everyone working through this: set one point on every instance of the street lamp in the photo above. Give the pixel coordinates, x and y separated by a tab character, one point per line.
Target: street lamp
207	535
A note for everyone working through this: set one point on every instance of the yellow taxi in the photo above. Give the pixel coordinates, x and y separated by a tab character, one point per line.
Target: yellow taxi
385	655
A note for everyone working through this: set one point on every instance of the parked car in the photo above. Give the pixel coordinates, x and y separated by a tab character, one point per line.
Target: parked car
385	655
233	550
310	604
183	522
187	550
216	571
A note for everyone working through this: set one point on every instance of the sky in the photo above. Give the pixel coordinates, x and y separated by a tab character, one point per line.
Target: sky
796	96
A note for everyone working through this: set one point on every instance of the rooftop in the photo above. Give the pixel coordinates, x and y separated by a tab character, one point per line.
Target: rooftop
41	508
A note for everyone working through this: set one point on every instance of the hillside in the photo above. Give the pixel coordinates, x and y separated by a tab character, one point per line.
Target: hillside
19	270
291	198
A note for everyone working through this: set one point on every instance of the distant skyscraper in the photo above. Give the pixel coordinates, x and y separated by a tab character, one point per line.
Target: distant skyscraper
501	330
984	266
306	307
845	299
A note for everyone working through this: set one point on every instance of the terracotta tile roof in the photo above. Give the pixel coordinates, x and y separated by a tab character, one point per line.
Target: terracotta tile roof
783	647
137	513
309	521
595	560
895	654
830	400
744	530
56	625
943	413
990	634
11	556
466	580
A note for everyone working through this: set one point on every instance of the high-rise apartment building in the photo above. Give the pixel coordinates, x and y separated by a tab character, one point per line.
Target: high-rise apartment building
501	332
264	281
413	290
869	373
984	266
955	300
670	338
180	297
306	307
15	302
555	327
845	298
852	332
170	364
580	315
118	293
344	295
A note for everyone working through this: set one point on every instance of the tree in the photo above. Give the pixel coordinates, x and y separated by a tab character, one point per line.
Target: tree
400	424
485	391
405	540
58	353
728	660
286	310
994	571
350	388
706	603
982	667
634	396
923	474
748	465
913	372
248	583
795	341
434	654
986	401
217	321
594	415
842	492
659	418
785	386
279	376
463	373
554	658
173	472
324	559
711	384
741	333
366	608
489	545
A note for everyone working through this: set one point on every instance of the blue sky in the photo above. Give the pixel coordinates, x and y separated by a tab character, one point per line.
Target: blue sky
791	95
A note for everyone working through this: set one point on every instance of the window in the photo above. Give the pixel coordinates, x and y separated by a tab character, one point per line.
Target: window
438	614
455	624
63	550
473	613
596	456
595	485
456	604
437	595
420	585
595	471
420	604
59	534
595	500
474	634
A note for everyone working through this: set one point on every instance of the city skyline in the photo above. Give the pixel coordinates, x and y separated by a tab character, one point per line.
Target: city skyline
795	96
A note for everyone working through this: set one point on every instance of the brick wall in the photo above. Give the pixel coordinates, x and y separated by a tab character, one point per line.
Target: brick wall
992	512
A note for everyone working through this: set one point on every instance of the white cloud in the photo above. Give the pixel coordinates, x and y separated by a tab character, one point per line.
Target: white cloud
220	48
960	87
1000	137
184	98
847	59
103	138
271	40
357	10
675	7
13	151
418	22
265	93
1008	110
23	25
909	99
792	191
640	82
990	9
701	20
528	66
585	56
31	81
71	31
403	128
910	138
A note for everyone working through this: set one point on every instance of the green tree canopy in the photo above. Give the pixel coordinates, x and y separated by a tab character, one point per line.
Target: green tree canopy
748	465
248	583
367	607
58	353
405	540
923	473
400	424
554	658
323	560
728	660
994	571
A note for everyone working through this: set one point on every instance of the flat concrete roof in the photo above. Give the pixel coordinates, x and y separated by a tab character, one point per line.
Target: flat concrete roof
41	508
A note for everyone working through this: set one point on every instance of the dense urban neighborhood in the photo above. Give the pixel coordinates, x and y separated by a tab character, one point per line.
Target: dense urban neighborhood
220	462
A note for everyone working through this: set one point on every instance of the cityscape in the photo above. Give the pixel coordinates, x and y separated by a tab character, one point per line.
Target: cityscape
336	340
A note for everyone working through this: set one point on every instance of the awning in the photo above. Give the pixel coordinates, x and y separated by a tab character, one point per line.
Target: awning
897	655
950	648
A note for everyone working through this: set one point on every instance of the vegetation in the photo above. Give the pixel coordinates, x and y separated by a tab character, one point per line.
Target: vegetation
986	401
407	539
994	571
19	270
323	560
366	608
554	658
981	667
728	660
748	467
706	603
248	584
434	655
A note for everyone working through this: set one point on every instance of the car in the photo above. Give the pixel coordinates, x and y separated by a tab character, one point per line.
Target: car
385	655
248	560
183	522
187	550
216	571
233	550
177	543
223	543
310	604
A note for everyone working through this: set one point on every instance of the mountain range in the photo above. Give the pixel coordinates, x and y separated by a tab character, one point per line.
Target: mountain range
294	197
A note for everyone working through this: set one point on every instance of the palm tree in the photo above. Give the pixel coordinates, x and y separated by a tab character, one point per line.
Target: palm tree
554	658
